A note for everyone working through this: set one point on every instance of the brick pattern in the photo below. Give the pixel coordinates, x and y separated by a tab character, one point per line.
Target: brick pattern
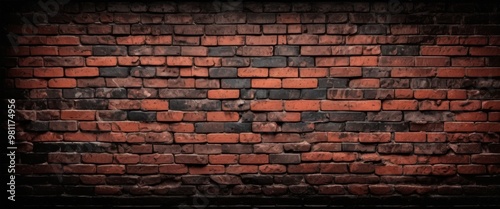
260	98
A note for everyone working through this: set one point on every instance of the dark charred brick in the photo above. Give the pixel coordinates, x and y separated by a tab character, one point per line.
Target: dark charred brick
78	93
237	105
109	50
142	116
114	93
269	62
400	50
237	127
235	83
209	127
333	82
297	127
313	94
347	116
314	116
91	104
397	148
112	115
257	179
222	51
143	72
237	148
355	147
284	158
385	116
183	93
372	29
194	104
375	127
286	50
394	83
114	72
284	94
378	94
223	72
330	127
235	62
37	126
300	61
376	72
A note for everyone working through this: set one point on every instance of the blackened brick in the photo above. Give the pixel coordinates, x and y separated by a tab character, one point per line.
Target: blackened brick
111	115
330	127
257	179
237	148
269	62
376	72
347	116
114	71
313	94
235	62
235	83
385	116
237	127
140	50
332	82
286	50
284	158
397	148
372	29
223	72
209	127
91	104
222	51
314	116
400	50
78	93
143	72
194	104
37	126
284	94
114	93
109	50
142	116
300	62
183	93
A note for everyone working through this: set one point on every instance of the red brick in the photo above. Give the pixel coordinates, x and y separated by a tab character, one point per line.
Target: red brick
179	61
443	50
223	94
266	105
82	72
44	50
154	104
266	83
252	72
63	40
300	83
363	61
52	72
284	72
302	105
409	137
101	61
223	116
62	83
367	105
30	83
223	159
249	138
400	105
261	40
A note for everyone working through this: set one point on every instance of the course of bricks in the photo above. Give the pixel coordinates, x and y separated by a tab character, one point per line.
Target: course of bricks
258	99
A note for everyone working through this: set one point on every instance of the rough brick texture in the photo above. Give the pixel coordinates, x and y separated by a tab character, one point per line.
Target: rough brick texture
365	99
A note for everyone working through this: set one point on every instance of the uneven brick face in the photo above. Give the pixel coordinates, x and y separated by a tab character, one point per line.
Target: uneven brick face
372	99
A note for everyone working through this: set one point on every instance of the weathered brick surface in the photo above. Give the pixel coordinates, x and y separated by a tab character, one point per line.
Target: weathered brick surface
371	99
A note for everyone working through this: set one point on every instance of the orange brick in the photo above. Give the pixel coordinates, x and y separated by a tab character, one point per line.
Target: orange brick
266	83
31	83
62	83
52	72
367	105
249	138
154	104
298	83
363	61
252	72
223	94
313	72
284	72
78	114
302	105
400	105
101	61
179	61
223	138
410	137
223	116
169	116
266	105
82	72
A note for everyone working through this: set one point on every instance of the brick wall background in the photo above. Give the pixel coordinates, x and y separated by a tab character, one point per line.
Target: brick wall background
248	100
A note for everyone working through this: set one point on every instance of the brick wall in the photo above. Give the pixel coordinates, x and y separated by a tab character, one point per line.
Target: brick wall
329	100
